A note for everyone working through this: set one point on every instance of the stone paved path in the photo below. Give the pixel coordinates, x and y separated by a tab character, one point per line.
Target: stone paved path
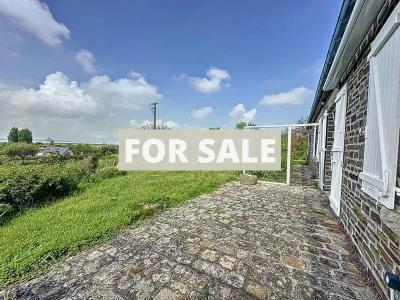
261	242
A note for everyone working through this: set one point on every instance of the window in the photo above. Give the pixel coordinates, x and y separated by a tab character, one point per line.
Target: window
382	127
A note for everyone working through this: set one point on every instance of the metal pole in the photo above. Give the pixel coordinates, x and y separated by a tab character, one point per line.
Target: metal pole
244	171
289	148
154	110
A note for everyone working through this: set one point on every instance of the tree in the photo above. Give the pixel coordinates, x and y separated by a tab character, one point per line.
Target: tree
159	126
25	136
83	150
105	150
13	136
300	141
21	150
243	124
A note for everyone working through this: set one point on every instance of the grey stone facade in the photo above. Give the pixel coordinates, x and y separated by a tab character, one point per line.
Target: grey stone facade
377	243
366	222
330	126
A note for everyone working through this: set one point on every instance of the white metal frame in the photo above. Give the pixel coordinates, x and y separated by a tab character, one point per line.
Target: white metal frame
289	145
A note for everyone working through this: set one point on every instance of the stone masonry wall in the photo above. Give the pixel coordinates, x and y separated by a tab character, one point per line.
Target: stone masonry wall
312	161
377	244
330	126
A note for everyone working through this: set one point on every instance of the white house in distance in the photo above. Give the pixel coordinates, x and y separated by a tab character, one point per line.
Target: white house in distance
354	150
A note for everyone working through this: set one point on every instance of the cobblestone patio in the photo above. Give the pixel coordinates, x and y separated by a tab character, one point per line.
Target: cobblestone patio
267	241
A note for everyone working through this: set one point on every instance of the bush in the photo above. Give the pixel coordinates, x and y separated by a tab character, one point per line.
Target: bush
106	150
20	150
91	163
26	185
108	172
83	150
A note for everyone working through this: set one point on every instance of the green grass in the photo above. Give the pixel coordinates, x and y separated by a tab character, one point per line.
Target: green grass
31	242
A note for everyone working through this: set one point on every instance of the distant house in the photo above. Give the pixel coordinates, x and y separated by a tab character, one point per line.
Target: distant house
49	141
54	151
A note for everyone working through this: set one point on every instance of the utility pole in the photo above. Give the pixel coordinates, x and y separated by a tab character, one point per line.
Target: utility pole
154	110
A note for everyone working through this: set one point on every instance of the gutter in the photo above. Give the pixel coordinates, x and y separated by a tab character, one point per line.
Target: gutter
345	39
343	19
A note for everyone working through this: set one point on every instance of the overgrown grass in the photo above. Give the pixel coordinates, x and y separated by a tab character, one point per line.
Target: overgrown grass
33	241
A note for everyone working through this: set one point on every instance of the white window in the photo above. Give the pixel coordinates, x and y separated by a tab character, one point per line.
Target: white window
382	127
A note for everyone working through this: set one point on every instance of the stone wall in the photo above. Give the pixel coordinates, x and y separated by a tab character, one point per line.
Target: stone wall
312	161
330	126
377	244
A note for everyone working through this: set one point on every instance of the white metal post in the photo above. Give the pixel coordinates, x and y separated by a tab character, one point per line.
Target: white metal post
314	142
289	148
289	126
244	170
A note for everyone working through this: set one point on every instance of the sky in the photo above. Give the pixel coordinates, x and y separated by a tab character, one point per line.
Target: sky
80	70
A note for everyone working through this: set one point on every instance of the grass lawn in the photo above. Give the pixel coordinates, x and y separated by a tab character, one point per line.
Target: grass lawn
31	242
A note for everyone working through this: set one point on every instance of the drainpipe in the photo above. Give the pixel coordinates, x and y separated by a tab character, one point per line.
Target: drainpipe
393	283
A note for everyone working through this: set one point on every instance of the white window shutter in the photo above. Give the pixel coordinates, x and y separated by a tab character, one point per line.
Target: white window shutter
382	128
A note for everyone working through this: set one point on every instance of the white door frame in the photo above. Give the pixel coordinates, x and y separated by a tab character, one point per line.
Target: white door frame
321	154
338	150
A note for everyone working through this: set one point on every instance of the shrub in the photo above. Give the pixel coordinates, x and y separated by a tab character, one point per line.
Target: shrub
83	150
91	163
108	161
26	185
21	150
105	150
108	172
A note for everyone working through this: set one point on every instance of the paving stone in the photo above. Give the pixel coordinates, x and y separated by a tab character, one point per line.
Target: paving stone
293	261
227	262
256	290
274	242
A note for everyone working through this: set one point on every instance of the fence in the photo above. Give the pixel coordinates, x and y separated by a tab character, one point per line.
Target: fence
289	141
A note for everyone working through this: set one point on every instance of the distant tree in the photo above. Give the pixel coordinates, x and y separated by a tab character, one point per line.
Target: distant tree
20	150
13	136
243	124
105	150
159	126
83	150
300	141
25	136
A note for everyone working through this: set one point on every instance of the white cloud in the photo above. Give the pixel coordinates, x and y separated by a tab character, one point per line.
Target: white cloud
202	112
240	113
127	93
171	124
133	123
296	96
86	59
36	18
249	115
134	75
210	83
62	108
237	110
57	95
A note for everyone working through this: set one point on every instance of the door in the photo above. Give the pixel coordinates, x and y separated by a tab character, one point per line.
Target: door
337	151
321	149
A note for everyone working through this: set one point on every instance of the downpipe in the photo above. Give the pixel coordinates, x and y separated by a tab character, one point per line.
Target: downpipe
393	283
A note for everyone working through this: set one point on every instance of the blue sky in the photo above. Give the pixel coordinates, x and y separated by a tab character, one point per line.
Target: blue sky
106	61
